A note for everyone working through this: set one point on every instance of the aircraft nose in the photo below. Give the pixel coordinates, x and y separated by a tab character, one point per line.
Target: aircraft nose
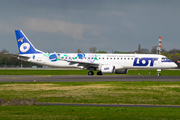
174	65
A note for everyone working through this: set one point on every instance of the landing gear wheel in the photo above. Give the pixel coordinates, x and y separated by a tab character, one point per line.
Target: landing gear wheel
90	73
99	73
159	74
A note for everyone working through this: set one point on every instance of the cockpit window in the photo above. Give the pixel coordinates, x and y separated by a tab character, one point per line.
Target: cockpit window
164	58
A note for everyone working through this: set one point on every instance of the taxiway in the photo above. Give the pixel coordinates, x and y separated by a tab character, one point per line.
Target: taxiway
108	105
82	78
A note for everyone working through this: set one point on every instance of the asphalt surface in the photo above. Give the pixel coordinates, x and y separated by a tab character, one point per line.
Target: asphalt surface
81	78
107	105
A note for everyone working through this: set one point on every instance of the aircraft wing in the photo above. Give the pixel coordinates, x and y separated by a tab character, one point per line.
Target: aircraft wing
88	64
80	63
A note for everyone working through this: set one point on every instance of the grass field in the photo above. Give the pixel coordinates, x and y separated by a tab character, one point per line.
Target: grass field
81	72
145	92
83	112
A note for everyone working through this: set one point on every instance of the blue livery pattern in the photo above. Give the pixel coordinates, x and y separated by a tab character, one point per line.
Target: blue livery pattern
166	61
54	57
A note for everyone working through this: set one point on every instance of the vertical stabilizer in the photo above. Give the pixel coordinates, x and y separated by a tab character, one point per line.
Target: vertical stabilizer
24	45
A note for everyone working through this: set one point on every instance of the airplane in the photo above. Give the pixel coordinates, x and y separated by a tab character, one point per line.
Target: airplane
103	63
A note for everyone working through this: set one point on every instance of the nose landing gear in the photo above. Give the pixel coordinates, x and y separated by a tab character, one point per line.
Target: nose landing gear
159	74
159	70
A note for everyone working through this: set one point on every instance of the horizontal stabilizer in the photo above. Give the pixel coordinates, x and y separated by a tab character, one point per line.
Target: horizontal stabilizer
18	56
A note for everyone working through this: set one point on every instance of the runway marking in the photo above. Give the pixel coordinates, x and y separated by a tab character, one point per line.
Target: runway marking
36	76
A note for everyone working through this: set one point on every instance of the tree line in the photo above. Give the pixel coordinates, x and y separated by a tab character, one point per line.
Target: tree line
9	61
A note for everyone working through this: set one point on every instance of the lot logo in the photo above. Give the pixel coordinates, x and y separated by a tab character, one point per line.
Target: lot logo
144	61
106	68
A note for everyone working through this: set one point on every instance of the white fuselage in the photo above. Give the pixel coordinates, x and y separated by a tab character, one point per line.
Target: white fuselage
120	61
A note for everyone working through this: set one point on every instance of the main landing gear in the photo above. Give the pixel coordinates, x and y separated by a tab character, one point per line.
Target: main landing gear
92	73
99	73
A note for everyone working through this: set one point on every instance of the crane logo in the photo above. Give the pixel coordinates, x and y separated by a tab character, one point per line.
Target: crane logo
24	47
21	39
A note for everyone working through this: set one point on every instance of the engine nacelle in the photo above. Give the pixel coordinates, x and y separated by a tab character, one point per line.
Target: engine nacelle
122	71
107	69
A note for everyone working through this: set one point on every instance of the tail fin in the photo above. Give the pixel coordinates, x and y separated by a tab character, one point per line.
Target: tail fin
24	45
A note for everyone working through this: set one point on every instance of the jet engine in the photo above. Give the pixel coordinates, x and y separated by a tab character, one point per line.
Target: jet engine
122	71
107	69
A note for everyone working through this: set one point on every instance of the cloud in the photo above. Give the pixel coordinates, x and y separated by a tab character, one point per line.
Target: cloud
125	21
52	26
6	27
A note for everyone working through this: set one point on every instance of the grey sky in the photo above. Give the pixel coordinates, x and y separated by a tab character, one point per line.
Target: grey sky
68	25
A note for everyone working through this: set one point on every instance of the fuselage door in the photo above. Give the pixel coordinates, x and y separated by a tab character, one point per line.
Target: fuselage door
156	61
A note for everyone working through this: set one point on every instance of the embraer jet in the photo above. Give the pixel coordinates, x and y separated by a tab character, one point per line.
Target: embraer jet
103	63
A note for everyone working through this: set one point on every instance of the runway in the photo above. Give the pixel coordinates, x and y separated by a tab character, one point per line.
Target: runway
82	78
